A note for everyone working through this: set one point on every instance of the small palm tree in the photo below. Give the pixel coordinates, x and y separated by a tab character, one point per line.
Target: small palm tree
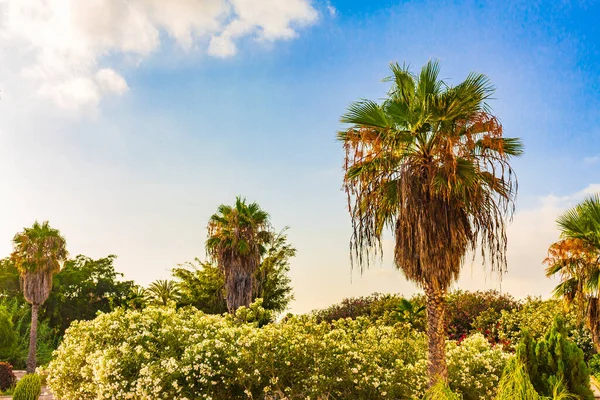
236	241
39	253
162	292
575	258
136	298
431	164
410	313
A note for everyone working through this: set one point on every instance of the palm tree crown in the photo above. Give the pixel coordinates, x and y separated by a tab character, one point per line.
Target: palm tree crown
576	259
163	291
236	240
38	254
430	163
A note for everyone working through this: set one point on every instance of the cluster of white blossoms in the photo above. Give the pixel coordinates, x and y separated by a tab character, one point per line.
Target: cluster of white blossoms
475	366
164	353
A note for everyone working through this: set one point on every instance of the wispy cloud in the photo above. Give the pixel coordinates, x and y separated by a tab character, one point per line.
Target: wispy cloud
592	160
63	45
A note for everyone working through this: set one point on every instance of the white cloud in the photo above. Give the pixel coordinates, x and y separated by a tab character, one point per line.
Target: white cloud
111	82
332	10
64	45
592	159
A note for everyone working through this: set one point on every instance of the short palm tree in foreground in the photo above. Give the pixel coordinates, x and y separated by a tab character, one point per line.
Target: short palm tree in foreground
430	163
576	259
38	254
236	241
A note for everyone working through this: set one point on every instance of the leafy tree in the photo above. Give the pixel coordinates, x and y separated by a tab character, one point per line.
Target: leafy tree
236	240
271	281
83	288
163	292
202	284
555	361
8	336
38	254
9	279
576	259
431	164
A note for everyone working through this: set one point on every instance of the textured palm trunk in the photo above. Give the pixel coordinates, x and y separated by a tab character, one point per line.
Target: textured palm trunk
593	320
239	288
33	339
436	335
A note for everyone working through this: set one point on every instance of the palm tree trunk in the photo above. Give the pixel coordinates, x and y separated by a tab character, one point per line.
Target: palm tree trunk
239	288
593	320
33	339
436	335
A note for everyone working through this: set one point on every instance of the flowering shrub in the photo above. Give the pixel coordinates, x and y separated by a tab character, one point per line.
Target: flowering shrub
162	353
165	353
476	311
475	367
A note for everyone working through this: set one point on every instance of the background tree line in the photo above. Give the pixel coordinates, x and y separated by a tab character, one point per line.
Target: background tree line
85	287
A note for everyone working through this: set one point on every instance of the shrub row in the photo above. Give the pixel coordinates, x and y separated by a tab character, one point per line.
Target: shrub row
162	353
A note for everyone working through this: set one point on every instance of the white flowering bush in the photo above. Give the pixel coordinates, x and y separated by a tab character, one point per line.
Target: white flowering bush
164	353
475	367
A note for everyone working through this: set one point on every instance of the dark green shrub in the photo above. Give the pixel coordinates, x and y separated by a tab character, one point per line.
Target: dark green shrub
28	388
594	365
8	336
7	377
555	361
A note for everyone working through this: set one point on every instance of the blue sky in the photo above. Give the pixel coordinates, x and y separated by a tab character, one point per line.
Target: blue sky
134	155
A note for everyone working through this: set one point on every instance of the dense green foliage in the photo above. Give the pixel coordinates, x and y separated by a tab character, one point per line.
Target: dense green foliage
7	377
20	317
29	387
182	353
440	391
555	359
537	316
83	288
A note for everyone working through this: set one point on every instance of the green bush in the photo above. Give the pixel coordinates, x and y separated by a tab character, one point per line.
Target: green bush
555	363
440	391
8	336
594	365
28	388
7	377
536	316
515	383
19	317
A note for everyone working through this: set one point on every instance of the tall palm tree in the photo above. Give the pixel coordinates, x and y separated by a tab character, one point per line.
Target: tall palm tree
162	292
39	253
430	163
576	259
236	240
